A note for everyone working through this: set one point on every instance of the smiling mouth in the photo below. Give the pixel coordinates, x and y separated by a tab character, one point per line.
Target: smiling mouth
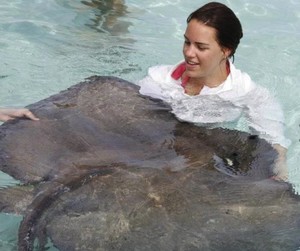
190	62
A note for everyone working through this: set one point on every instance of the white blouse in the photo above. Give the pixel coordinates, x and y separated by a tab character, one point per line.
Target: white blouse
238	97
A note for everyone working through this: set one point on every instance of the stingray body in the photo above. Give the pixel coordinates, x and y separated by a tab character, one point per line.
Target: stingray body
108	169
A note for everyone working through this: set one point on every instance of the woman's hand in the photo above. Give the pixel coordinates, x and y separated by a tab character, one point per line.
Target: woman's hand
9	114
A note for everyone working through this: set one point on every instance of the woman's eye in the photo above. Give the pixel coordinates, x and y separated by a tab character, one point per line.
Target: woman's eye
200	48
187	42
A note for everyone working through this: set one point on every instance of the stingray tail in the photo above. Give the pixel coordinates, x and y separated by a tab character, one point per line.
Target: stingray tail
46	197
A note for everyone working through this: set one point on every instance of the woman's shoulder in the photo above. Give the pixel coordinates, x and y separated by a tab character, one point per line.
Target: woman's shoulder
247	90
242	81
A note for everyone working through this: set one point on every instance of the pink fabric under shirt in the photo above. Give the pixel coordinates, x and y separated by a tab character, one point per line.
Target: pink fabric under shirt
178	72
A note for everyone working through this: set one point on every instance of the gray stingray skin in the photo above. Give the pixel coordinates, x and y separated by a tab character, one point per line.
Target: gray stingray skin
108	169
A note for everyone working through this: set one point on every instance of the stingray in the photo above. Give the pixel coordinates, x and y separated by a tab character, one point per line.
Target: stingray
108	169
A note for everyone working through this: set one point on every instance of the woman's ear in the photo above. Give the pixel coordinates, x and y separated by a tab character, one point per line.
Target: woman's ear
226	52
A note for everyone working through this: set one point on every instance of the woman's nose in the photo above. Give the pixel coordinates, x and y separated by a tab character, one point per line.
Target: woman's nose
189	50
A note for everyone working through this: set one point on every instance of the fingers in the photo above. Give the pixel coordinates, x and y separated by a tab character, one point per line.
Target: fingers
30	115
8	114
280	178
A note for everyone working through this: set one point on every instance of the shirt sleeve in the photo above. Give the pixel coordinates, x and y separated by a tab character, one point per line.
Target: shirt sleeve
265	116
152	85
149	87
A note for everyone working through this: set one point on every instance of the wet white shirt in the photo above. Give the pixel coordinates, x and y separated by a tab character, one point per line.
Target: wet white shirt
237	97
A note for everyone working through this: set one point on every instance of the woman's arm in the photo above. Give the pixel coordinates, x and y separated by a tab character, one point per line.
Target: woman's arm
266	119
280	169
10	113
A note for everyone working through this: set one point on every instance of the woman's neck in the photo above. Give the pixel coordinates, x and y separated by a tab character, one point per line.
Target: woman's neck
195	85
218	78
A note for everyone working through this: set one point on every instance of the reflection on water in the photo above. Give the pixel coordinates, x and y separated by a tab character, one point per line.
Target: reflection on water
108	16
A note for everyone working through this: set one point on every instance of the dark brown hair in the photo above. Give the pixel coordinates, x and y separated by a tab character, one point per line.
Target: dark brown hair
219	16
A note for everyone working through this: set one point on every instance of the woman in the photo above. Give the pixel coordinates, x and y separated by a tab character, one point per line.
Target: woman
206	88
9	113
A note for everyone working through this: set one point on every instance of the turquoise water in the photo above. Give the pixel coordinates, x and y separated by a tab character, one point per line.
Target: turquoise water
47	46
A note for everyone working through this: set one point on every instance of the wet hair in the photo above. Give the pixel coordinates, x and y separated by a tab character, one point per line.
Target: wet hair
219	16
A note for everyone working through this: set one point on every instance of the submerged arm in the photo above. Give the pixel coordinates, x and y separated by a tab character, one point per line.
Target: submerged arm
280	169
267	120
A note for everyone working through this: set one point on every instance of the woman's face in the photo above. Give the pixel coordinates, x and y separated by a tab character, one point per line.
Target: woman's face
203	55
